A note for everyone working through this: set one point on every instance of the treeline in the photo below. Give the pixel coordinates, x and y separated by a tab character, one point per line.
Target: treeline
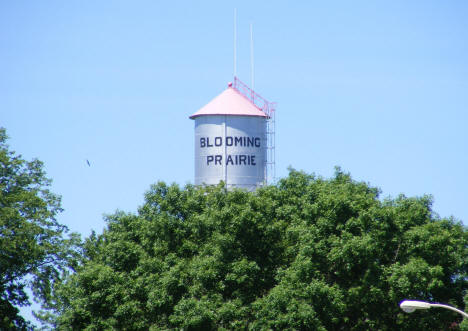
307	253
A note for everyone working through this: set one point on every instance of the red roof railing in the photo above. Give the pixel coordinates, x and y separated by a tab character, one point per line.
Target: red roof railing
255	98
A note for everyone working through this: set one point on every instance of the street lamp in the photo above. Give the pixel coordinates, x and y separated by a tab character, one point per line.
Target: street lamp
409	306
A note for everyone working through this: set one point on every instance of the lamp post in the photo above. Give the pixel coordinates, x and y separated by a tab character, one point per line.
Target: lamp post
409	306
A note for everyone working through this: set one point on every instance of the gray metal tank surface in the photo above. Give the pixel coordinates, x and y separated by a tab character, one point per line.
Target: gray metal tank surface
232	149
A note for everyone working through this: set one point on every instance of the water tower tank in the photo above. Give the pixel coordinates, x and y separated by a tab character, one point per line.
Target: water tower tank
231	141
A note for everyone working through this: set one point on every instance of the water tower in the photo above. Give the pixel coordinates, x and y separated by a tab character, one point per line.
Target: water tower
234	139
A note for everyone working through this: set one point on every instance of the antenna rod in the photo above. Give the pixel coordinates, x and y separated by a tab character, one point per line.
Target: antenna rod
251	58
235	42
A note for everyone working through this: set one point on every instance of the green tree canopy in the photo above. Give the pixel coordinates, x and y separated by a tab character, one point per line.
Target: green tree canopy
32	249
305	254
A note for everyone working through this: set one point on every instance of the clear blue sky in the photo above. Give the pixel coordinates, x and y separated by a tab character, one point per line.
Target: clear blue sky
378	88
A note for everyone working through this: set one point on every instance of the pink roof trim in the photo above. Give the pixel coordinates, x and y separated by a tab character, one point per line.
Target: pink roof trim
231	103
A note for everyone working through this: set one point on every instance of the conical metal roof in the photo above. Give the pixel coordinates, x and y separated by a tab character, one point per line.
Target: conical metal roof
230	102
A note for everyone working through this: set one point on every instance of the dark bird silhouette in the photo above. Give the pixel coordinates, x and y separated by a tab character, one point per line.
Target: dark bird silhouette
89	164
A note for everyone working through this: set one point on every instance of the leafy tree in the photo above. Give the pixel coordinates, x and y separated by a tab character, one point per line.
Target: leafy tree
32	250
305	254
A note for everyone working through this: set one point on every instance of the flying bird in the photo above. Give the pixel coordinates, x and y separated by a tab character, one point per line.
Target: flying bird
89	164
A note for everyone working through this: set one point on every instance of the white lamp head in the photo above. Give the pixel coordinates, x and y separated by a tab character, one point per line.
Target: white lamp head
409	306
